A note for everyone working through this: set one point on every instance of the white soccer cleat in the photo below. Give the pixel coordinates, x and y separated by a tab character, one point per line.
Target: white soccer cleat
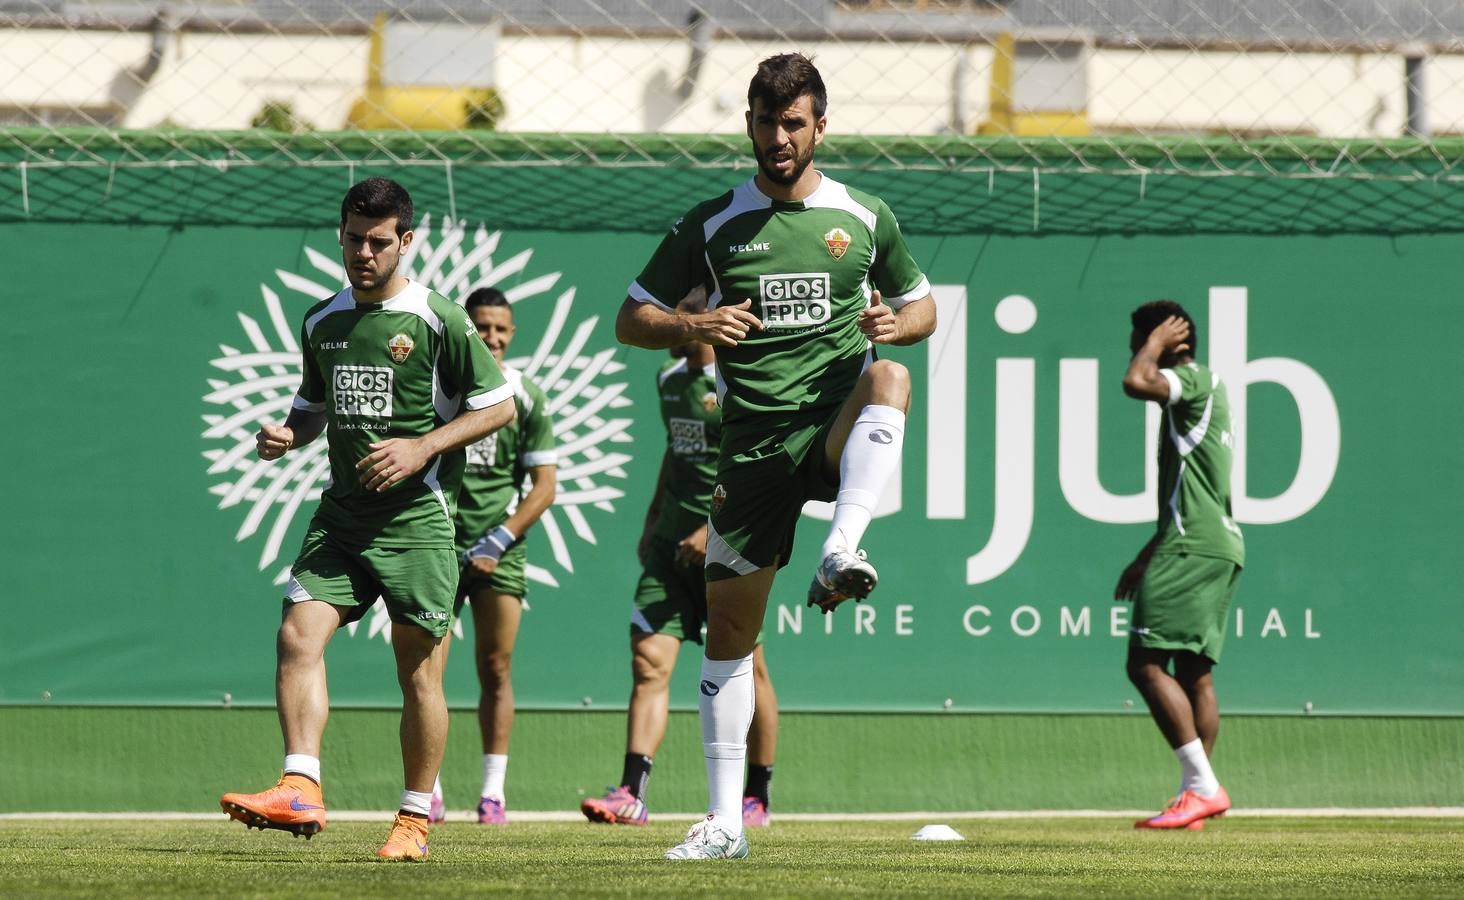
840	576
708	840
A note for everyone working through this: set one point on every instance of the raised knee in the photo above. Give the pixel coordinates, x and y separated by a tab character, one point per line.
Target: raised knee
886	373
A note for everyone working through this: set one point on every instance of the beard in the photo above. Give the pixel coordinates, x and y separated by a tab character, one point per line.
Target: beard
800	163
382	277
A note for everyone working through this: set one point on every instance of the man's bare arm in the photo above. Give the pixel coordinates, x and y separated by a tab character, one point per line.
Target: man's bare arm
648	325
544	482
910	324
301	427
395	459
1142	381
916	321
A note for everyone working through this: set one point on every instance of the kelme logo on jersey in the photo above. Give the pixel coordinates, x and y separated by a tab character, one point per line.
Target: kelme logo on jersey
837	240
400	347
362	390
795	301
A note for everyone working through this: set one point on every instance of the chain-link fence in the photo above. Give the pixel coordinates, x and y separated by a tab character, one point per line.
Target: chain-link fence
1007	104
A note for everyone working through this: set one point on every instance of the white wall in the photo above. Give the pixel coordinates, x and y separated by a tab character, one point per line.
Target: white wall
621	84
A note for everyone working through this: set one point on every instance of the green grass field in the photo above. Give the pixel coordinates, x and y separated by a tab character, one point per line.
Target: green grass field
1253	857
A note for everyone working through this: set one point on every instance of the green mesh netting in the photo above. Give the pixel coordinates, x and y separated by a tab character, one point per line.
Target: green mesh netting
937	185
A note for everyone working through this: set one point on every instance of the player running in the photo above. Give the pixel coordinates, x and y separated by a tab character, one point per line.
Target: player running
1184	578
396	378
671	597
803	276
494	514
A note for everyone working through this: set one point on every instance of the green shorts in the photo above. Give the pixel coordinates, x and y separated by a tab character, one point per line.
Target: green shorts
670	598
509	578
758	499
1182	604
418	584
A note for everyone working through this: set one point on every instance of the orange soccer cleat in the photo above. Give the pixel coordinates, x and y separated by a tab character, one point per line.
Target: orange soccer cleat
408	838
294	804
1188	810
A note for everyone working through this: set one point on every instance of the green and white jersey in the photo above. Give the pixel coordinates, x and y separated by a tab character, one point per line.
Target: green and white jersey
396	369
498	464
1196	442
808	267
693	421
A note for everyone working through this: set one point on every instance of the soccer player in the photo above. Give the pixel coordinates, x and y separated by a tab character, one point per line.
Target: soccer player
494	514
396	377
1183	579
803	275
671	597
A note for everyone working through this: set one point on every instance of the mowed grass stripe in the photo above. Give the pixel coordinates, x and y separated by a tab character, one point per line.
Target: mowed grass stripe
1239	857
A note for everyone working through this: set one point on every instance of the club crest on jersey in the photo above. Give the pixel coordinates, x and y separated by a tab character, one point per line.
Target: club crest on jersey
719	497
837	240
400	347
709	401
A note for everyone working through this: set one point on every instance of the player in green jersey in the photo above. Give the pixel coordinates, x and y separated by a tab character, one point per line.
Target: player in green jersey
494	515
1183	579
671	597
804	277
396	377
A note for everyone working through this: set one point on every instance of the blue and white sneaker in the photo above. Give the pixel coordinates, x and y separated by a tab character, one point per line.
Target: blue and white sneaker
840	576
708	840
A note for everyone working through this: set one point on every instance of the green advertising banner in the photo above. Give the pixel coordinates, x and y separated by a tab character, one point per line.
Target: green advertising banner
146	545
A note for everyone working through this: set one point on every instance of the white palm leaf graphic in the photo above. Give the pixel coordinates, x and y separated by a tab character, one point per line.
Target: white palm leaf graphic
255	383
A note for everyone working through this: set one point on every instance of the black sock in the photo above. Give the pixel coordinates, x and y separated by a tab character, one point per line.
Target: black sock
636	773
758	778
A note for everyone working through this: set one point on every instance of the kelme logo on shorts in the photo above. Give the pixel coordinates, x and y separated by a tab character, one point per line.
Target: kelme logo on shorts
880	436
719	497
797	300
709	688
362	390
400	347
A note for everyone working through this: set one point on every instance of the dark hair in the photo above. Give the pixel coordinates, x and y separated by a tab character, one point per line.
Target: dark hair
1152	314
487	296
782	79
379	198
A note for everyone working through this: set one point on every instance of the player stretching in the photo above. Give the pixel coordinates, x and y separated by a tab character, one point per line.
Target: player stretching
803	275
1184	578
396	377
493	516
671	597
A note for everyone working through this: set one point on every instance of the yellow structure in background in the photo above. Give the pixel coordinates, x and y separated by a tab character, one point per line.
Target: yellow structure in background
1038	88
407	98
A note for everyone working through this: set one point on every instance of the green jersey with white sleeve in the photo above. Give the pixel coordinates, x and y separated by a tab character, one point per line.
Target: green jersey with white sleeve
693	423
1196	443
395	369
809	267
498	464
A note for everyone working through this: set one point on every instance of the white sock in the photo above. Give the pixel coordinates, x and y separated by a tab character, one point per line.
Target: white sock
419	802
1196	774
495	769
871	457
725	701
437	787
301	764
